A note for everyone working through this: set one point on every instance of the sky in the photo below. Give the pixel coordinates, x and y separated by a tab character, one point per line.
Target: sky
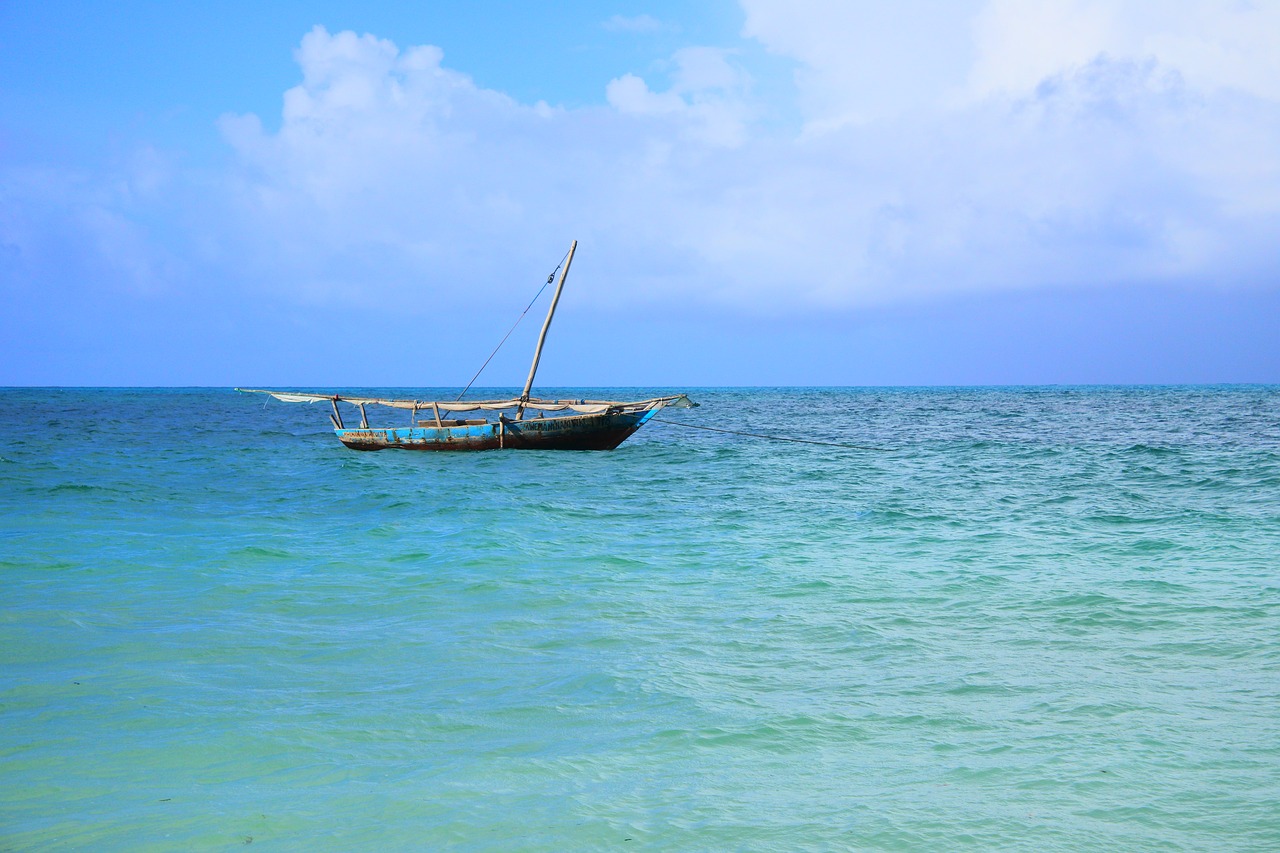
808	192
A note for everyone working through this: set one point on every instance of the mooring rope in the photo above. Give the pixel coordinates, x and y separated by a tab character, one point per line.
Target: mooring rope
776	437
550	279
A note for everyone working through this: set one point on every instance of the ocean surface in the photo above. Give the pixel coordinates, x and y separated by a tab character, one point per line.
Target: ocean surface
1042	619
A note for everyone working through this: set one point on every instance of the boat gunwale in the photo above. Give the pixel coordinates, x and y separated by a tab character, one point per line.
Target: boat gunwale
593	431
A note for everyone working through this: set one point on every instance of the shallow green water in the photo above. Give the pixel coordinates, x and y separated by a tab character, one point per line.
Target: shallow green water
1047	619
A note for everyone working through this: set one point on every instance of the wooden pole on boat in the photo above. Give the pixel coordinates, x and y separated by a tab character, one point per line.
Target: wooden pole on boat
537	354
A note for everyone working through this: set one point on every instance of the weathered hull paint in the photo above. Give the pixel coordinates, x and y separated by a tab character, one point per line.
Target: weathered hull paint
575	432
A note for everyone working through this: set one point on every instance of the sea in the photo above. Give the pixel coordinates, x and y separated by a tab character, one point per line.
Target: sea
1033	618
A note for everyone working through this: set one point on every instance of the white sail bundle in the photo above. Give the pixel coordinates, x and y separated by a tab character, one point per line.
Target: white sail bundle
584	407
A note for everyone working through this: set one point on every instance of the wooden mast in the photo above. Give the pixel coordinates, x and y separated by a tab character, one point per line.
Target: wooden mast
537	353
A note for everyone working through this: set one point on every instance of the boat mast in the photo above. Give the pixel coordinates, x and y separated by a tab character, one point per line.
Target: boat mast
537	354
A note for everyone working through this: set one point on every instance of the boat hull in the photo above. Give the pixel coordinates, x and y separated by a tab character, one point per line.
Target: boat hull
576	432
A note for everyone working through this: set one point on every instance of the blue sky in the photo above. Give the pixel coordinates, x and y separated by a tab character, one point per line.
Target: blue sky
765	192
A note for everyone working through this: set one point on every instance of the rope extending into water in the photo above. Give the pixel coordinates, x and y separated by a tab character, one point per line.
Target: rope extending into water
550	278
776	437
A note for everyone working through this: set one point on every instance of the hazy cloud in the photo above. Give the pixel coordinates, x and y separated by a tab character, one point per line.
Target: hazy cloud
1103	171
983	146
1213	44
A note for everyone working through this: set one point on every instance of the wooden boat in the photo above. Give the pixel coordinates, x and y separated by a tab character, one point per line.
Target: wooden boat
519	423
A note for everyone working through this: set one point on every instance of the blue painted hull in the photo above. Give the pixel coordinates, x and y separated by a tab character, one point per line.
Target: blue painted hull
575	432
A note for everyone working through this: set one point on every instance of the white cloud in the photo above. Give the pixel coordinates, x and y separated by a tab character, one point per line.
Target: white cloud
630	94
861	61
937	156
1212	43
708	94
388	166
384	158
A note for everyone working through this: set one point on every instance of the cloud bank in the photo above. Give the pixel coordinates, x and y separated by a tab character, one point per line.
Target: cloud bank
923	152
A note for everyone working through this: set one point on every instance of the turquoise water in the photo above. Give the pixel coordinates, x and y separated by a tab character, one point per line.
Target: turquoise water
1042	619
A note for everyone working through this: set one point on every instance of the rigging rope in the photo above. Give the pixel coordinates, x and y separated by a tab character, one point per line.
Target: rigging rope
776	437
550	279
